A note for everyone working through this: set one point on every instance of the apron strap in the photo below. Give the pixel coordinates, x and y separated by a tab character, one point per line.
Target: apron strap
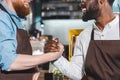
1	7
92	34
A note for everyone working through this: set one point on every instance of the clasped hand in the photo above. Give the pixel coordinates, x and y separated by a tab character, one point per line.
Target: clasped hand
52	46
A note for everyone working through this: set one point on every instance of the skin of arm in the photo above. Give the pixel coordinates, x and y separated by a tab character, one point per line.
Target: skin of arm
29	61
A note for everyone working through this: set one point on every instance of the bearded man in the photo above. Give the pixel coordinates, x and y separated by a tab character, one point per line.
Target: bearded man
97	49
16	59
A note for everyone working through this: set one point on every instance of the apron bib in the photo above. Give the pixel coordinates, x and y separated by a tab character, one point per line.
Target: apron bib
103	60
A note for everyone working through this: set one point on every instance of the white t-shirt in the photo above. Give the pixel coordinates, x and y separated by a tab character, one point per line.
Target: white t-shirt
75	68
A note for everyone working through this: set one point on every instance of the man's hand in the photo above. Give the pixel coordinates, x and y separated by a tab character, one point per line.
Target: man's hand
54	49
51	46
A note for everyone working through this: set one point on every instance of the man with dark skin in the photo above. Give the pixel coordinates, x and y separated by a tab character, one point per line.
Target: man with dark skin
97	49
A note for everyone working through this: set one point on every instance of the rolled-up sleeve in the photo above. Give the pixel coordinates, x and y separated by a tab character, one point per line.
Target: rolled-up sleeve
7	44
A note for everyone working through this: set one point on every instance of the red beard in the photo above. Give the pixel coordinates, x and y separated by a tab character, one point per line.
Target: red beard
20	9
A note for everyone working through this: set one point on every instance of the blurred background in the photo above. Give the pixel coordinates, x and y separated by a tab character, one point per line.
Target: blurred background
57	17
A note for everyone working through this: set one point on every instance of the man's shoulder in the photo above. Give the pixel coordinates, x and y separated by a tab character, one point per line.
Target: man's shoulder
87	30
3	15
5	19
85	34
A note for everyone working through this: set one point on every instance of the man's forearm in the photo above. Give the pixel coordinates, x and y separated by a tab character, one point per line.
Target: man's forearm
30	61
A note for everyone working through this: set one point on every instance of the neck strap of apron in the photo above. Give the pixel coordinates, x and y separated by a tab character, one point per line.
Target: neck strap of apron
92	34
1	7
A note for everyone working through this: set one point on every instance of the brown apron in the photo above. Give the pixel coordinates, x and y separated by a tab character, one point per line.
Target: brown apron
23	47
103	60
